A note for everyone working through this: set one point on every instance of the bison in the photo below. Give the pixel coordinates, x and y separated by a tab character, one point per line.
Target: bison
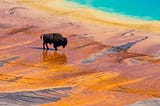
54	38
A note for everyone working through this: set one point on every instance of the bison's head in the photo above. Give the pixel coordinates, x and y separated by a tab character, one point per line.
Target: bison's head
64	42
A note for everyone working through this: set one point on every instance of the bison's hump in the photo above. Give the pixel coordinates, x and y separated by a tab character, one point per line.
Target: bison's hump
53	36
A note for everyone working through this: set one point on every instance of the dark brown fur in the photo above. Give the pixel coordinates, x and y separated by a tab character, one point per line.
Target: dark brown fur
55	38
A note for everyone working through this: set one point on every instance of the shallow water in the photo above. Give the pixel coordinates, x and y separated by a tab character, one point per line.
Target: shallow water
148	10
125	68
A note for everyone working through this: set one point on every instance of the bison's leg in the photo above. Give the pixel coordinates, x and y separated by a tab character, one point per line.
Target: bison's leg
55	47
43	45
47	46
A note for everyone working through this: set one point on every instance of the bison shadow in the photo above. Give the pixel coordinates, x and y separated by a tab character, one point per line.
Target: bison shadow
40	48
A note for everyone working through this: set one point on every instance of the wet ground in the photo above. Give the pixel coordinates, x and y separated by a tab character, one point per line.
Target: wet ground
101	65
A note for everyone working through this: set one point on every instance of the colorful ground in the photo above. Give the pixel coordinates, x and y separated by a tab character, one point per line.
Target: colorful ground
107	63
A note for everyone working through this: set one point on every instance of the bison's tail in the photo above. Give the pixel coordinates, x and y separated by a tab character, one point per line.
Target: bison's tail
41	36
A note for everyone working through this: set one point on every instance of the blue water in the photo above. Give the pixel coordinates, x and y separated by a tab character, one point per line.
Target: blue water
144	9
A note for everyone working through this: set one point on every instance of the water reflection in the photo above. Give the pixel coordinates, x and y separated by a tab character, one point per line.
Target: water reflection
34	97
54	57
2	62
113	50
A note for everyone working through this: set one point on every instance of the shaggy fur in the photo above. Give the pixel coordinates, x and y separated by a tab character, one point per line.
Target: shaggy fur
55	38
